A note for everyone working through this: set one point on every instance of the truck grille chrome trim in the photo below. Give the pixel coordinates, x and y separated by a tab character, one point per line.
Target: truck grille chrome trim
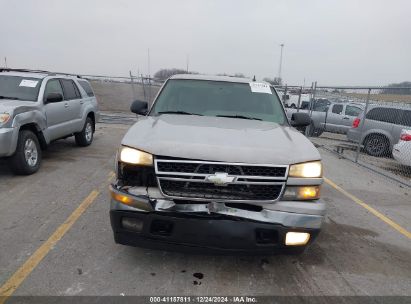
220	181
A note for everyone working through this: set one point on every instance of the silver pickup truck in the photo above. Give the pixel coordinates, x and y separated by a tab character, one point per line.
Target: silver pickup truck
38	107
330	117
215	165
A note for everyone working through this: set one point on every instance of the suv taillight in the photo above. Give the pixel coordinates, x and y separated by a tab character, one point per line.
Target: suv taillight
356	122
405	137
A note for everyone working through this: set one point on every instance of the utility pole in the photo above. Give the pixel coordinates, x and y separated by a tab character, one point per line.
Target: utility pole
281	60
5	62
148	61
132	86
187	61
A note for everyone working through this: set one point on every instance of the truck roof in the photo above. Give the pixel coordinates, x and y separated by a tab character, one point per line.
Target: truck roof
212	78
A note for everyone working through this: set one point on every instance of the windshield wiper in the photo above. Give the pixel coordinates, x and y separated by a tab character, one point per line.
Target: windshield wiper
239	116
179	112
7	97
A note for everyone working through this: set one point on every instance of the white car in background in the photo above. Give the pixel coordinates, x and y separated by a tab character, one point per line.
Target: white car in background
402	150
292	100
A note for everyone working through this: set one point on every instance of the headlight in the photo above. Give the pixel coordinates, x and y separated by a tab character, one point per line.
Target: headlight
311	169
4	117
135	157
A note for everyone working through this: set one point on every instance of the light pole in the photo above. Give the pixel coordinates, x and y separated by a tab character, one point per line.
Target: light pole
281	60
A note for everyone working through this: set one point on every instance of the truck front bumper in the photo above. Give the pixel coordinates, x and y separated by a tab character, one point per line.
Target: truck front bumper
211	228
8	141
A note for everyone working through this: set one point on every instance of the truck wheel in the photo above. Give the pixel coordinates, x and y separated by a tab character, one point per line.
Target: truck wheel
314	132
85	137
319	132
376	145
27	158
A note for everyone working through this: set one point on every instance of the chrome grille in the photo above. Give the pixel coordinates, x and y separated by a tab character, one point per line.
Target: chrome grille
210	181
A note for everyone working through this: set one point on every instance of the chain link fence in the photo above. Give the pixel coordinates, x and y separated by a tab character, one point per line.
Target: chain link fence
115	94
368	125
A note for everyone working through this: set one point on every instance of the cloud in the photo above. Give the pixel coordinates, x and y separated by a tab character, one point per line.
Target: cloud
332	42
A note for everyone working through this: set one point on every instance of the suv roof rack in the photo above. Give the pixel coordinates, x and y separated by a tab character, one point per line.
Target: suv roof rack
23	70
37	71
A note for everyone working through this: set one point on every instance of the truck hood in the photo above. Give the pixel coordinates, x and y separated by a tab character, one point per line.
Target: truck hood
10	105
220	139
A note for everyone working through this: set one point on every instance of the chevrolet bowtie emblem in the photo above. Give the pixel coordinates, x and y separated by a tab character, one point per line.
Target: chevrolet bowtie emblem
220	179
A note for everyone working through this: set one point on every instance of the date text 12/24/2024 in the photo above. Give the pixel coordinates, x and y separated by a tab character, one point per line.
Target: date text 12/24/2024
203	299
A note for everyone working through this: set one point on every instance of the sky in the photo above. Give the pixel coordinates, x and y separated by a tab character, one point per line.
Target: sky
345	42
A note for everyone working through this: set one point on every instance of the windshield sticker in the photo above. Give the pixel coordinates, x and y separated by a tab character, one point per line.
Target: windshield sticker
259	87
28	83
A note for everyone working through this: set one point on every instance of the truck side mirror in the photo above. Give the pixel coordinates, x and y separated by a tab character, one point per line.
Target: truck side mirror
54	97
139	107
300	120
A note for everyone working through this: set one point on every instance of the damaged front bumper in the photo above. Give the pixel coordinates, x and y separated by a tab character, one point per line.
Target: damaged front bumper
156	222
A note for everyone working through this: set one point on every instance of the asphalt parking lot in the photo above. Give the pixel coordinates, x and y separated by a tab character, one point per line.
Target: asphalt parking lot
56	237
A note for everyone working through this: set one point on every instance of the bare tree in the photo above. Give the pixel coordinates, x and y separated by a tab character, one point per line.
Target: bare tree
239	75
275	81
163	74
401	88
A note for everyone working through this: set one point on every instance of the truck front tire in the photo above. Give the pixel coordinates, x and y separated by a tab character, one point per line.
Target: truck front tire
27	158
85	137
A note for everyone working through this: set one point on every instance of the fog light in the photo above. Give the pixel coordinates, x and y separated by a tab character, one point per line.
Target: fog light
296	238
132	224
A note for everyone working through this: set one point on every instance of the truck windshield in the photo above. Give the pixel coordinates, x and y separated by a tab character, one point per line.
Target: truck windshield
217	98
19	88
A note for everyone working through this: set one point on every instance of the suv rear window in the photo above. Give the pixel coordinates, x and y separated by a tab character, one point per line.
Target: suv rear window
87	87
389	115
406	118
70	89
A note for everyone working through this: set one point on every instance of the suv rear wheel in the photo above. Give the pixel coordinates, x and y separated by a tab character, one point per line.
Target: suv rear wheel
27	158
85	137
376	145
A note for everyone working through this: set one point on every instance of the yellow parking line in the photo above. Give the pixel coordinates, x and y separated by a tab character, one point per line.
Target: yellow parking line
111	175
370	209
24	271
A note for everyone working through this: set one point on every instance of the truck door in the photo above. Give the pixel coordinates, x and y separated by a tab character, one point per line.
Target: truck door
351	112
334	117
56	114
